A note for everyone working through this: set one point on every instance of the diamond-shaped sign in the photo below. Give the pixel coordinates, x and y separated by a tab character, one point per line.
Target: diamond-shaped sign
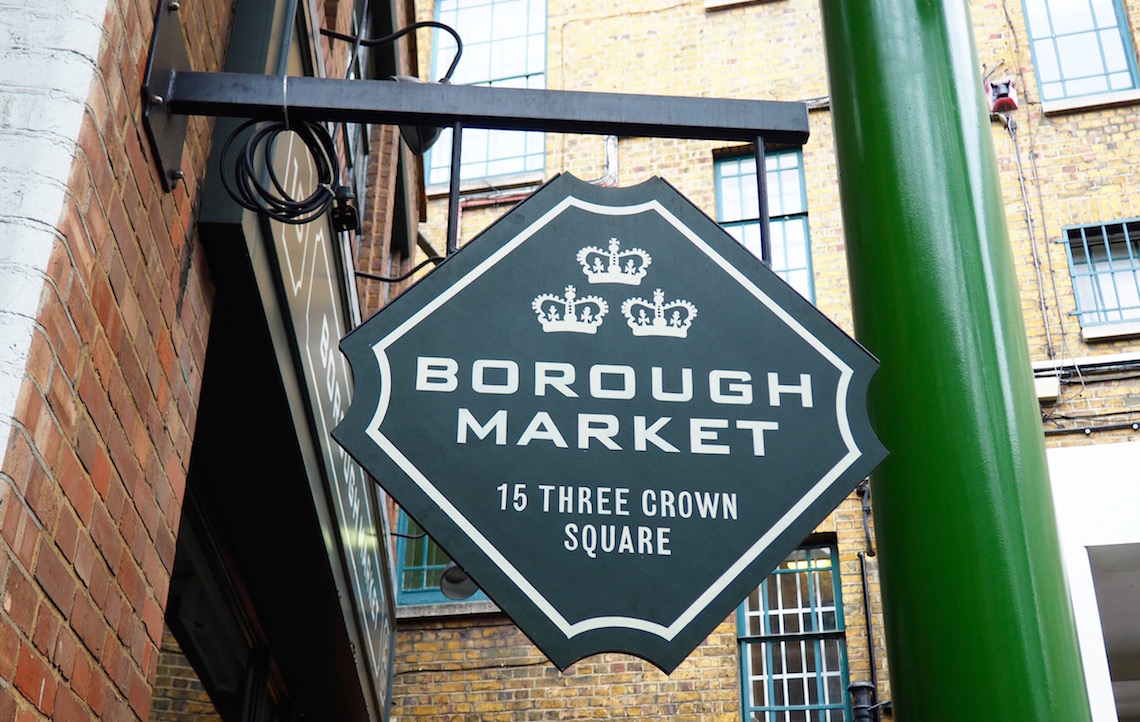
612	415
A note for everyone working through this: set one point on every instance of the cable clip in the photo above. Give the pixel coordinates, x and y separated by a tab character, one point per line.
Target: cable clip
343	215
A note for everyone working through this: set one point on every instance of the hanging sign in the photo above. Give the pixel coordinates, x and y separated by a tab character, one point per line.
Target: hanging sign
612	415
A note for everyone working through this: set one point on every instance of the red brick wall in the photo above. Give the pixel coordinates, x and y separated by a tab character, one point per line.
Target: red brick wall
93	478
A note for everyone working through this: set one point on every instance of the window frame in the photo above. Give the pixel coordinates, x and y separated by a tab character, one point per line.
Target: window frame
407	530
815	637
749	211
1066	98
437	161
1089	294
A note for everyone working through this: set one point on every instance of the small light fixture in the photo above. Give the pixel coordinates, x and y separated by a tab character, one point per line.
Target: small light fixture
418	138
455	584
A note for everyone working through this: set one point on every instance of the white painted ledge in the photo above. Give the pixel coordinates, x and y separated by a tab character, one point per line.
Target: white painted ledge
1089	102
49	53
1110	331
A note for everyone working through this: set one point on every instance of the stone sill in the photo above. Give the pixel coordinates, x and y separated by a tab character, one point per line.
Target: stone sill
1110	331
1085	362
446	609
524	182
722	4
1090	102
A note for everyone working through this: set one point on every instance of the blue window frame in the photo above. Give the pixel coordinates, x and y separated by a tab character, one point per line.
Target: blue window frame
1080	47
738	212
793	653
1105	262
420	565
504	45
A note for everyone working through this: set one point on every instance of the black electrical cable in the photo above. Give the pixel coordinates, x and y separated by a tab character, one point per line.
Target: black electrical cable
251	193
397	279
373	42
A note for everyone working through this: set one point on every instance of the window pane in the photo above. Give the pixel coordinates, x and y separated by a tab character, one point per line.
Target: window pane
474	25
791	194
504	45
474	66
1079	47
795	241
805	677
537	18
800	281
535	55
1046	57
508	58
1105	13
1120	81
1072	16
1105	265
1079	55
510	18
1037	16
1114	59
1086	86
1052	91
788	225
749	193
730	199
475	143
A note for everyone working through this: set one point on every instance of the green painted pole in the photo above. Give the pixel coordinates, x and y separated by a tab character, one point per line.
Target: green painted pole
978	619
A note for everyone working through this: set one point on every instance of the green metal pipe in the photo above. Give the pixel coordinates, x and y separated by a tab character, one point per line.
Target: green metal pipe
978	619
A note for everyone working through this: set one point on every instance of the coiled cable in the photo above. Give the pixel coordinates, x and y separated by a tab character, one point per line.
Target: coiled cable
274	200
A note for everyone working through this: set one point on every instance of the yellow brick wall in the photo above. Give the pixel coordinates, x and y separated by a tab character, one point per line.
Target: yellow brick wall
485	669
1077	167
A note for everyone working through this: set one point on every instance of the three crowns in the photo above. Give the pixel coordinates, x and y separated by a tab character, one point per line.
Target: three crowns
584	314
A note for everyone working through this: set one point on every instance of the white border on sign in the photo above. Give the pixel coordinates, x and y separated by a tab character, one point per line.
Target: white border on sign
608	622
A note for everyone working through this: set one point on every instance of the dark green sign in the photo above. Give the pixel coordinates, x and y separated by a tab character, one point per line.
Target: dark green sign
612	415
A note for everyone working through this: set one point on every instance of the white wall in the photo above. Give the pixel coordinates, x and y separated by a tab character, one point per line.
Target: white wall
1096	491
48	57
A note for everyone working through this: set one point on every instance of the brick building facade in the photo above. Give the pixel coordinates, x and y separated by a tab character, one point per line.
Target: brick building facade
167	493
134	324
1066	164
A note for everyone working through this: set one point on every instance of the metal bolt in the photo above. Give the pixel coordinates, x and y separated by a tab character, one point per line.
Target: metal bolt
172	6
156	99
175	176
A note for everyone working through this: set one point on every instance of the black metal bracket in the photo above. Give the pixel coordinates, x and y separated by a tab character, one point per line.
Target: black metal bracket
172	92
165	129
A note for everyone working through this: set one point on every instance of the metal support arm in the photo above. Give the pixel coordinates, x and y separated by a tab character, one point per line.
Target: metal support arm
172	91
433	104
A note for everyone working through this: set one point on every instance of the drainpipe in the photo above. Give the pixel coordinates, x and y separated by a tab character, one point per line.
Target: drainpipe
863	707
610	173
864	492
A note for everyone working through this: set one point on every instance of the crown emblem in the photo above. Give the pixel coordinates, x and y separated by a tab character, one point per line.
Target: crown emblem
577	315
626	267
659	318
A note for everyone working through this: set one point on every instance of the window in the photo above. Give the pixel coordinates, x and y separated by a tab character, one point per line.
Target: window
1105	263
504	45
739	213
793	655
1080	47
420	566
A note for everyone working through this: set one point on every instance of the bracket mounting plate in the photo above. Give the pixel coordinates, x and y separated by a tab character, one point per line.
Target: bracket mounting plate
168	56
